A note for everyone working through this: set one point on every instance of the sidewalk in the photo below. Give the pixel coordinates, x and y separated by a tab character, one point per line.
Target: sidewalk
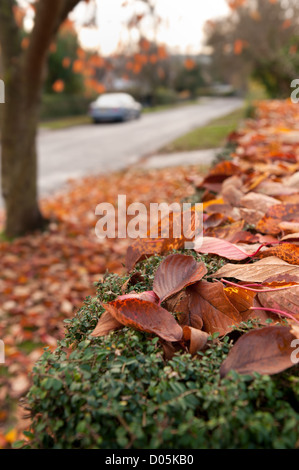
197	157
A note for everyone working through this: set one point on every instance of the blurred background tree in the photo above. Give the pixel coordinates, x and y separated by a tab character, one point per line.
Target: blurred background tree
258	39
63	55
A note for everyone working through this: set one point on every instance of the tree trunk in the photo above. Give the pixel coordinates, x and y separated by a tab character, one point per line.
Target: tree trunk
24	76
19	159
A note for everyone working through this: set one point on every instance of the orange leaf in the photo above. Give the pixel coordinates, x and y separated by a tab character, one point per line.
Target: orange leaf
238	47
189	64
276	214
241	299
66	62
286	251
234	4
58	86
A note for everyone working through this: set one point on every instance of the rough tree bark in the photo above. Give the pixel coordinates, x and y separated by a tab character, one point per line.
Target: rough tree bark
23	76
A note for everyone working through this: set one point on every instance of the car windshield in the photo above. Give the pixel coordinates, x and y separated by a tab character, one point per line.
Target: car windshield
113	100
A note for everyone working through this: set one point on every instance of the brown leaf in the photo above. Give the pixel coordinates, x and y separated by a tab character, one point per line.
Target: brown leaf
280	280
198	339
273	188
257	272
226	232
258	202
232	190
209	301
251	216
180	305
228	211
175	273
266	351
146	316
106	324
214	220
293	228
286	300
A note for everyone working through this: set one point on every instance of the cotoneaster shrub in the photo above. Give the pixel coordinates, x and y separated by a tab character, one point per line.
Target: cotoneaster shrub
118	391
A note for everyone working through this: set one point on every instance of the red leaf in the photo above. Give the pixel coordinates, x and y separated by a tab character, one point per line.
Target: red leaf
220	247
146	316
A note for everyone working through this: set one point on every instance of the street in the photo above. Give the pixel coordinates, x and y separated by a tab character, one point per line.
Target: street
91	149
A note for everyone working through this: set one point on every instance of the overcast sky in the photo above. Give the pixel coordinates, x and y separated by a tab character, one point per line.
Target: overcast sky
181	28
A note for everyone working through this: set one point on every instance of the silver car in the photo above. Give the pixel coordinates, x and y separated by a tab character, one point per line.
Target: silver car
115	107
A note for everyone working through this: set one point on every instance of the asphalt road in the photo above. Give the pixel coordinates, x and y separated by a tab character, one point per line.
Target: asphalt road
91	149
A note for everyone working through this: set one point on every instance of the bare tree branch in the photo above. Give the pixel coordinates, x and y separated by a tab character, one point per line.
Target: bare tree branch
68	6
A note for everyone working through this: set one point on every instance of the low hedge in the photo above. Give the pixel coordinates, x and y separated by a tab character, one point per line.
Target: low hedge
118	391
55	106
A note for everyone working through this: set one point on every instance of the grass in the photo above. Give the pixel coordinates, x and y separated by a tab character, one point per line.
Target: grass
213	135
165	107
64	123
